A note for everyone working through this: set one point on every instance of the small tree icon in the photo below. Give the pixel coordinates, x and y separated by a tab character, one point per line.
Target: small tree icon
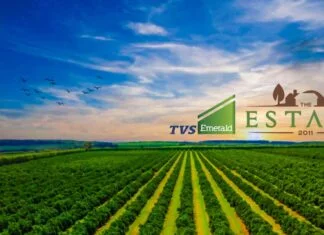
278	94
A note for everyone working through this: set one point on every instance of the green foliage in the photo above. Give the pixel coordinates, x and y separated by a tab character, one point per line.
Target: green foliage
120	226
254	223
24	157
153	224
77	191
218	222
289	224
98	216
87	146
49	195
185	222
276	183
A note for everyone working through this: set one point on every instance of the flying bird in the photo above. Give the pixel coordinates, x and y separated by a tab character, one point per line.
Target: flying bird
97	87
85	92
68	91
49	79
53	83
60	103
23	80
37	91
90	90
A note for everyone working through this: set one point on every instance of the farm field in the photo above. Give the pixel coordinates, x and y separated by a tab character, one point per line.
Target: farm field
169	191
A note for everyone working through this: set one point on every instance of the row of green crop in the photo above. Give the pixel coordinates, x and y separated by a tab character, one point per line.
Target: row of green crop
154	224
120	225
97	217
295	176
8	159
74	199
71	210
255	224
307	153
309	171
185	221
313	214
288	223
218	222
33	197
116	185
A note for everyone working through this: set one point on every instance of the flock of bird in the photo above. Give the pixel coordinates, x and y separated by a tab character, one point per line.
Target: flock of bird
28	91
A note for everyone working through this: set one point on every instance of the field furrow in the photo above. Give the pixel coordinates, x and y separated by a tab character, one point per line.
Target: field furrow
236	224
244	203
194	190
67	211
153	223
201	217
290	174
169	226
288	223
121	224
277	202
293	205
98	215
121	210
146	210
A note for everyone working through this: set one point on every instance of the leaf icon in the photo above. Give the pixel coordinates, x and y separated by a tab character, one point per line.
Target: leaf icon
278	94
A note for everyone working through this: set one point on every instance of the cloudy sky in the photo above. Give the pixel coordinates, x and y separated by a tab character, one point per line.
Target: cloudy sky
154	63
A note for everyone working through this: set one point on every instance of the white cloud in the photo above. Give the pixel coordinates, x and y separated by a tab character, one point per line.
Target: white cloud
309	12
318	49
153	60
159	9
175	82
99	38
147	29
136	113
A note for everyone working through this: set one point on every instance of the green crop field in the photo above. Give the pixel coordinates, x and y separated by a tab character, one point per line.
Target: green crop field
163	191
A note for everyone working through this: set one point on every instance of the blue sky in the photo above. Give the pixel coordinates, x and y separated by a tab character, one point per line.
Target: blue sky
153	57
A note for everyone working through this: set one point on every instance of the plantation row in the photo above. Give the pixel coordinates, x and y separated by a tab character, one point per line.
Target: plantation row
98	216
160	192
288	223
48	205
256	213
297	176
8	159
270	184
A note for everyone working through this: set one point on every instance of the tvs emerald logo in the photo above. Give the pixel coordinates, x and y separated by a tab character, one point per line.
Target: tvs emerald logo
219	119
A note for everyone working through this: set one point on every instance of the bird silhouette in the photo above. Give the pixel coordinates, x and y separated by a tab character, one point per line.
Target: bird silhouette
60	103
85	92
97	87
68	91
23	80
90	90
37	91
49	79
